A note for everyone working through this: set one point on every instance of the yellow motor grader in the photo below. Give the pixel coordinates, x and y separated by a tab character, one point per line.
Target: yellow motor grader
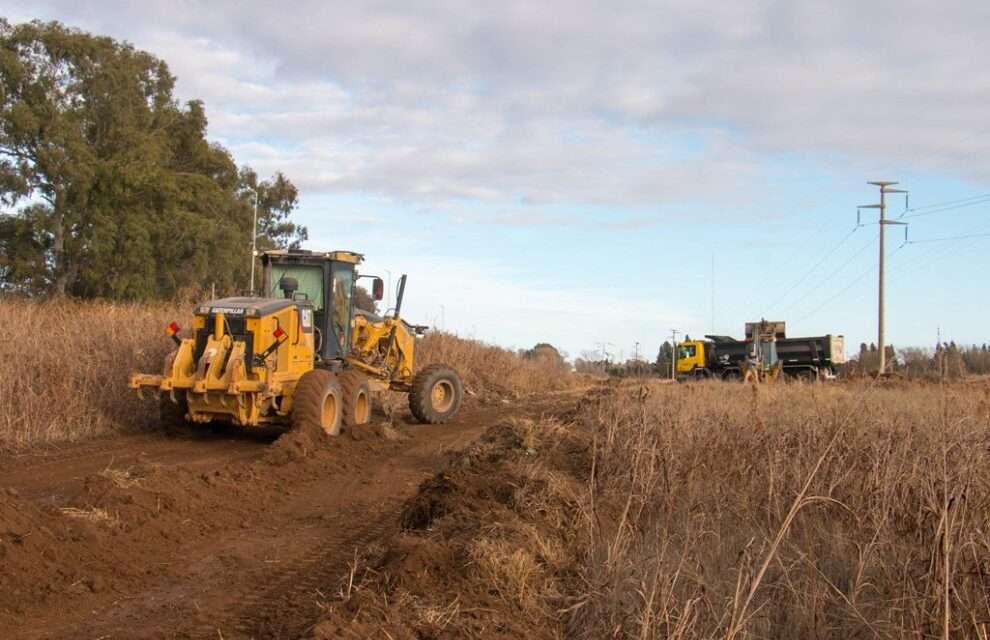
762	363
300	355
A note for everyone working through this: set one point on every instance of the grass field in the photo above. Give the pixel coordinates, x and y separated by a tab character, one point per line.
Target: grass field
795	511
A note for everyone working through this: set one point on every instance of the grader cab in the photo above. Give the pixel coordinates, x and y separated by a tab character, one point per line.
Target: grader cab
301	355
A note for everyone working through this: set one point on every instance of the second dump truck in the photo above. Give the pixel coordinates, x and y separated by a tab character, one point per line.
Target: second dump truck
811	357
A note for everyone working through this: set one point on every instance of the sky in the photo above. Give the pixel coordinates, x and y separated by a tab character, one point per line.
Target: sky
595	175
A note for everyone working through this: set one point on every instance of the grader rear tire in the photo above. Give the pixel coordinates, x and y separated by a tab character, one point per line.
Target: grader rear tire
317	407
357	398
436	394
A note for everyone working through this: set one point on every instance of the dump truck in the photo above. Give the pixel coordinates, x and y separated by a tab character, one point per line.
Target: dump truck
718	356
299	356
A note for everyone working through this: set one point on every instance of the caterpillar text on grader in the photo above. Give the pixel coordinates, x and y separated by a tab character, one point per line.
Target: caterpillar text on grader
301	355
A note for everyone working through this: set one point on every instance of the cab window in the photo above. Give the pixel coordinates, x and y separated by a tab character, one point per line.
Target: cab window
310	283
343	280
686	351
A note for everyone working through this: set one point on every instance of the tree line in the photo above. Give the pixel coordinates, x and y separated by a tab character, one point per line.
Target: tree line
109	187
598	363
946	359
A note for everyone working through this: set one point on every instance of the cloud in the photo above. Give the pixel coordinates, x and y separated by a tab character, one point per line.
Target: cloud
622	105
498	301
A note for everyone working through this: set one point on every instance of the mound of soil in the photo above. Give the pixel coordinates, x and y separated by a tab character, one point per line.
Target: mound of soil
483	551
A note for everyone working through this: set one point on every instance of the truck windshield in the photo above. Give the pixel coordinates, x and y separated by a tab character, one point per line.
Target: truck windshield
686	351
310	282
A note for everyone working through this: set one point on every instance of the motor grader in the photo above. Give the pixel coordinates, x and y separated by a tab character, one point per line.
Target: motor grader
300	355
762	363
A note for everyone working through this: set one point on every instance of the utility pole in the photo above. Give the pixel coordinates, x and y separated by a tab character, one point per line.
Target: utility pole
601	346
254	238
636	353
885	188
673	354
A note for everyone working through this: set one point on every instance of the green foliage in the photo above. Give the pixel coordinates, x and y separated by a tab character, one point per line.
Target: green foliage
276	199
665	356
121	195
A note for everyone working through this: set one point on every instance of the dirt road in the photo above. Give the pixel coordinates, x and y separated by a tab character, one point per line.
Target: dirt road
208	535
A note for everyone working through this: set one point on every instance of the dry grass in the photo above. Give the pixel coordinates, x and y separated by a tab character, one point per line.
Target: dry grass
94	514
64	367
121	478
717	510
488	369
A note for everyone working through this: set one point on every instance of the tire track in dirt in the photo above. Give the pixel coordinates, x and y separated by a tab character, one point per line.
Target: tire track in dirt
288	606
61	472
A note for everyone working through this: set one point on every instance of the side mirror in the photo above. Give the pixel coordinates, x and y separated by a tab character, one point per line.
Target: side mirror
377	289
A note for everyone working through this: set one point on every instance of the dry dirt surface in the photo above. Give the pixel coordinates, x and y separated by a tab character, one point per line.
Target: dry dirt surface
210	534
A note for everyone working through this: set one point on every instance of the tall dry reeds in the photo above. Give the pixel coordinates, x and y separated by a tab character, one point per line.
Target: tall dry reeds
721	511
488	369
64	366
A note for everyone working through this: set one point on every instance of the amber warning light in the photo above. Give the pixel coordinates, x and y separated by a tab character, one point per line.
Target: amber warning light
173	331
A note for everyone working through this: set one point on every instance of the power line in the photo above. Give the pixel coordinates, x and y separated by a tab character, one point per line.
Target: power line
984	199
937	207
833	273
963	237
830	299
846	288
799	244
949	202
934	254
812	269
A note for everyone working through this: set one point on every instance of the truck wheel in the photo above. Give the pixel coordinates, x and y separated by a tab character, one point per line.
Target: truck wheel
317	405
436	394
357	398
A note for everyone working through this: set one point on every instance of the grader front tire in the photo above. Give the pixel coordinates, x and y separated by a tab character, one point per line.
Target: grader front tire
318	405
436	394
357	398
